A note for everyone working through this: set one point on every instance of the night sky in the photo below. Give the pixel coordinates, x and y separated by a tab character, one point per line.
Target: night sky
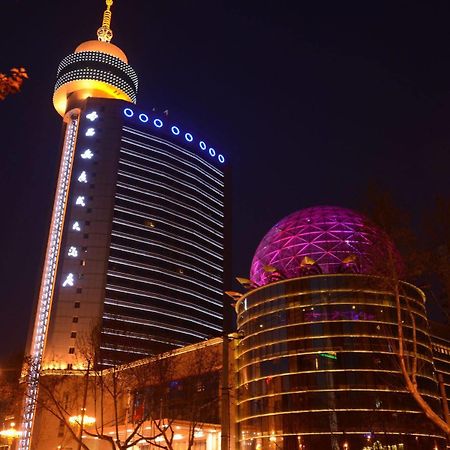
310	101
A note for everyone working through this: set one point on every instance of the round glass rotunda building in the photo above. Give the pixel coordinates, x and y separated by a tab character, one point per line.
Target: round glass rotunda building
317	358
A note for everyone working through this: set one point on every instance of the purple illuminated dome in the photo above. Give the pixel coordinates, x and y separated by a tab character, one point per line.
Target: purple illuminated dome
323	239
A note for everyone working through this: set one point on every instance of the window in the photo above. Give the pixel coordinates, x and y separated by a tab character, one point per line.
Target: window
71	350
86	235
79	290
83	262
73	335
69	366
76	305
75	320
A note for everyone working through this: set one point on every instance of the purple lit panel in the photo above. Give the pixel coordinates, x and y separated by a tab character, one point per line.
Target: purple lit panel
328	235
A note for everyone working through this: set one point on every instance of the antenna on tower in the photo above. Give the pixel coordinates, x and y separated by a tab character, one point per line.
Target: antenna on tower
105	33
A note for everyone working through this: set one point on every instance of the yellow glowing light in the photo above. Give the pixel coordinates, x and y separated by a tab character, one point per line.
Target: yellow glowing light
96	88
76	420
10	433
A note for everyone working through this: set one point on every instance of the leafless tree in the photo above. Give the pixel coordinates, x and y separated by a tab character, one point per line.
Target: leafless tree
394	221
142	401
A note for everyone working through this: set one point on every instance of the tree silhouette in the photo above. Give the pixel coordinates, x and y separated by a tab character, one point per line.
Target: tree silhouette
11	84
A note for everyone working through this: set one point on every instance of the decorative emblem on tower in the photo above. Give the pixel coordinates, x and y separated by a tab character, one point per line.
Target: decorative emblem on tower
105	33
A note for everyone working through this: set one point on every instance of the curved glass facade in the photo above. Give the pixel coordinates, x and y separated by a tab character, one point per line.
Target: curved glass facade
317	366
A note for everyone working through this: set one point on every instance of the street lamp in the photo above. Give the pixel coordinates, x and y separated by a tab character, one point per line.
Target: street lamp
10	434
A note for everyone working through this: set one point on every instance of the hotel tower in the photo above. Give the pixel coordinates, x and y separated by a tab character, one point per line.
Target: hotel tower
138	230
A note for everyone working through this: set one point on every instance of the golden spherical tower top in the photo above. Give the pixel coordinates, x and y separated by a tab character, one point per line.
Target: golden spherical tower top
97	68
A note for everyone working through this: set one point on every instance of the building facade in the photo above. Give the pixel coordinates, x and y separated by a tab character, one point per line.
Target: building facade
142	250
135	260
317	360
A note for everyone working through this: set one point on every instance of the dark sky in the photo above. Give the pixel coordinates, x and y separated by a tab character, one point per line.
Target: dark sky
309	100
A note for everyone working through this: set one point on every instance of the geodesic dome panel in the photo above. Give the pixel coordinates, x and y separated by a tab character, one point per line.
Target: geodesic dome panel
328	235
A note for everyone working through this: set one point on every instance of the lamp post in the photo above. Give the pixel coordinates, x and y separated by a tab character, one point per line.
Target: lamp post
10	434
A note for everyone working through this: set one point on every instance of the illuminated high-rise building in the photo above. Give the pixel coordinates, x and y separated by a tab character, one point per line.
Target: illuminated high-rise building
138	229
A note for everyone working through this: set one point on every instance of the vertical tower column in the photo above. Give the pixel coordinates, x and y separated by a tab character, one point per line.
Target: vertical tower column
40	330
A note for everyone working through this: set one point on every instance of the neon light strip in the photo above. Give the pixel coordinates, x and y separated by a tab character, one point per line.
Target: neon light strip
144	280
175	202
142	266
163	163
329	336
346	410
166	247
171	224
170	178
332	390
170	188
381	430
178	148
308	290
166	234
48	280
170	300
141	336
150	255
344	301
127	319
164	312
168	211
397	372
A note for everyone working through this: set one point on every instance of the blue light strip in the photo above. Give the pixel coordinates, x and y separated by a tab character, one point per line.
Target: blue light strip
158	123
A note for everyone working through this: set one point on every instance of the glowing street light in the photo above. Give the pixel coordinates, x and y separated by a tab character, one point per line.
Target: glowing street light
10	434
81	418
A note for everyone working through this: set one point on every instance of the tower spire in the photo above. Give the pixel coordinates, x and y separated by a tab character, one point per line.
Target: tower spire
105	33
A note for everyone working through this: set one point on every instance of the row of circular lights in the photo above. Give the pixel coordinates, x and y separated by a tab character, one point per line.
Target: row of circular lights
158	123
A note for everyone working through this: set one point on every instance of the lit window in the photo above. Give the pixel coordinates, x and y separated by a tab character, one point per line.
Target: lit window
76	226
83	177
158	123
87	154
175	130
221	158
212	152
69	280
92	116
143	118
90	132
80	200
188	137
72	252
202	145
